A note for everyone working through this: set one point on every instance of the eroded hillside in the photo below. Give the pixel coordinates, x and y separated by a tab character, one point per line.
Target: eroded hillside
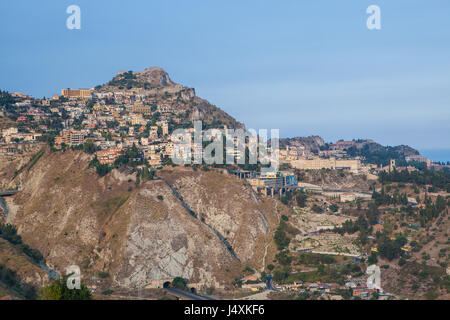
203	226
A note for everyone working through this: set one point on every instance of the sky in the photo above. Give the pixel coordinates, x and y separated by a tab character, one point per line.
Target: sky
304	67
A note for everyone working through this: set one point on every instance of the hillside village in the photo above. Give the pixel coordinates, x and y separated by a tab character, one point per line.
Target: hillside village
344	205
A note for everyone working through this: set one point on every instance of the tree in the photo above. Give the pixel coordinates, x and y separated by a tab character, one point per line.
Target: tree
237	282
58	290
102	169
321	269
372	213
301	199
281	239
372	259
179	283
280	275
283	258
390	249
363	236
334	208
89	147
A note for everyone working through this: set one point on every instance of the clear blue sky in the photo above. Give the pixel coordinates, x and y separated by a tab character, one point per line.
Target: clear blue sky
305	67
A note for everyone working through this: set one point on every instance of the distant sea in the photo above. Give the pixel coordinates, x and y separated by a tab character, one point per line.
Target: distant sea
442	155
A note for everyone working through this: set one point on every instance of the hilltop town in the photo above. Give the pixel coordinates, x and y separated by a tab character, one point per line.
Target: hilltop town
88	179
141	109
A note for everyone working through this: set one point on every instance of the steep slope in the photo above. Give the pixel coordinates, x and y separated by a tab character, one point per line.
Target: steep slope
152	237
204	226
230	207
155	83
28	271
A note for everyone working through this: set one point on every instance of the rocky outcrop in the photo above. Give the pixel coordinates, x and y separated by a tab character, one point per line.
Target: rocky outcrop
312	143
204	226
154	82
155	76
163	241
230	207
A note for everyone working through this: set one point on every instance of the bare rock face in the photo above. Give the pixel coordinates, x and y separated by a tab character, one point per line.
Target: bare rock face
156	76
309	143
230	207
203	226
163	241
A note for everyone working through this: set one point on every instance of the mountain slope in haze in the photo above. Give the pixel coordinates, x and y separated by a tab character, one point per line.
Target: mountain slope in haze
155	83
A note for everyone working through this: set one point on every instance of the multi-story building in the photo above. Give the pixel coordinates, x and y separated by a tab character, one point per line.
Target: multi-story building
64	137
108	156
138	120
165	128
273	183
76	138
353	165
154	159
342	145
141	109
77	93
72	138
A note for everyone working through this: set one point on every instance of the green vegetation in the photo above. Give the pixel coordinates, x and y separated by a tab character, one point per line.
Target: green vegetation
316	208
125	80
439	179
432	210
374	153
179	283
386	199
301	199
322	274
333	208
31	163
283	258
131	157
103	274
143	175
101	169
35	159
6	99
9	233
12	281
58	290
351	227
89	147
390	249
372	258
147	174
280	237
311	259
248	271
108	292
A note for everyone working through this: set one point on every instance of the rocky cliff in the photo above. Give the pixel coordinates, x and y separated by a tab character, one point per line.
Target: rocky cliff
203	226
